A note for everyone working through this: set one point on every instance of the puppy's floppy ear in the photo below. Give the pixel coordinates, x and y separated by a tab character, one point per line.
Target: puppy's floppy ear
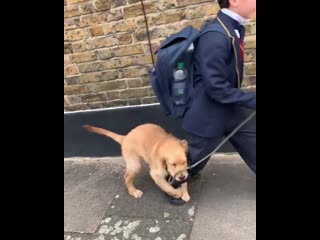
185	144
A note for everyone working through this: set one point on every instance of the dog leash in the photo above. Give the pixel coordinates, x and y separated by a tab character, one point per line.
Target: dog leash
172	179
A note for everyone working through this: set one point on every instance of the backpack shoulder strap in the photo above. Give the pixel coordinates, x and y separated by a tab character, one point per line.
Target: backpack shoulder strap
209	26
217	26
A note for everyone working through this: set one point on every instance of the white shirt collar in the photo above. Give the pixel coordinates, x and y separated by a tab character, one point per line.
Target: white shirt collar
235	16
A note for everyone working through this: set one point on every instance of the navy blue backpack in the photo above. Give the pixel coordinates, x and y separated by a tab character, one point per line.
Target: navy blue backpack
176	48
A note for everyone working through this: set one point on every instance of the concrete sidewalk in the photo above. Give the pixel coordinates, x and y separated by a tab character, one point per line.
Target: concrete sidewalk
98	207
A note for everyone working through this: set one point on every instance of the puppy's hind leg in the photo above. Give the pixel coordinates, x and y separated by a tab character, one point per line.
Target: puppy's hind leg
133	167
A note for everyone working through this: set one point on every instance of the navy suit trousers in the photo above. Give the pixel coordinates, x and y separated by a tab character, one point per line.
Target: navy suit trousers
244	141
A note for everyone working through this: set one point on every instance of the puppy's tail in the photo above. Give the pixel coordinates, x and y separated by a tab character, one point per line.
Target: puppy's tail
118	138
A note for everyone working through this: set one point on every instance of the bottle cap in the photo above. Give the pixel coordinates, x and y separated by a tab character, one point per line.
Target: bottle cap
180	65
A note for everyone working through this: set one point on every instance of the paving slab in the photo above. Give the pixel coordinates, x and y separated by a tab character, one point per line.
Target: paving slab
227	206
89	188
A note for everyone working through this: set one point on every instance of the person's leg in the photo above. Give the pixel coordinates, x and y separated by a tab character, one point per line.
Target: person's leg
199	147
244	141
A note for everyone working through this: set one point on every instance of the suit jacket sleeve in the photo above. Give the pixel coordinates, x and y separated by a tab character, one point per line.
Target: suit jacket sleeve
214	50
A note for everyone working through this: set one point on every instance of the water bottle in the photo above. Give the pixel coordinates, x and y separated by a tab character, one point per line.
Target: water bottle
179	84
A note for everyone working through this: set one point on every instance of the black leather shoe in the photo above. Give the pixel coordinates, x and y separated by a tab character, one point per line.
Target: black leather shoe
175	201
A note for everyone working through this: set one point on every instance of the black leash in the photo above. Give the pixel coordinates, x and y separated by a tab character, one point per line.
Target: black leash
224	140
172	179
146	22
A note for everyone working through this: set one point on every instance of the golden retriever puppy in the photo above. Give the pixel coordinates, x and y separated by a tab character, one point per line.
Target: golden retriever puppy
163	152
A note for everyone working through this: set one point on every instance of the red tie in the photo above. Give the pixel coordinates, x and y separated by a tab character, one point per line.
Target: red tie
241	49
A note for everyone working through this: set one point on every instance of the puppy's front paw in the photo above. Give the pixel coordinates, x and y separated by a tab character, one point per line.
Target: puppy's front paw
185	197
177	193
137	194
